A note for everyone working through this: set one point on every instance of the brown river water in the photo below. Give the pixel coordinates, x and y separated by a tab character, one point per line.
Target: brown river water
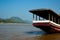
24	32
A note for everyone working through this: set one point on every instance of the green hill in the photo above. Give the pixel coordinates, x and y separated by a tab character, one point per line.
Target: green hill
12	20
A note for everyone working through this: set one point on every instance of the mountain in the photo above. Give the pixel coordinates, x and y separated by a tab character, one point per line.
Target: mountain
13	20
16	20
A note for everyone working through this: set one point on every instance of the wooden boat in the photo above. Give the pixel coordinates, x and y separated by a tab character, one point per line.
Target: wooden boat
46	19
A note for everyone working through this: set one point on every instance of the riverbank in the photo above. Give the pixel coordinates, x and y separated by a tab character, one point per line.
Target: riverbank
15	23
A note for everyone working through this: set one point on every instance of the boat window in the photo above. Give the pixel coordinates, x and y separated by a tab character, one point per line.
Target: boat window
36	17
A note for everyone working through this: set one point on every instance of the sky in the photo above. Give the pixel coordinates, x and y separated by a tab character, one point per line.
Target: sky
20	8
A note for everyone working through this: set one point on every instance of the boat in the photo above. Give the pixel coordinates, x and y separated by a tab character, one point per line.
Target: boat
46	19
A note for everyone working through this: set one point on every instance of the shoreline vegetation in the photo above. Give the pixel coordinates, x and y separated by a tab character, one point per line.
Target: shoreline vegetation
13	20
16	23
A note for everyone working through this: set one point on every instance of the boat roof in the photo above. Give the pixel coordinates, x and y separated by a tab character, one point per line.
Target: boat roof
44	13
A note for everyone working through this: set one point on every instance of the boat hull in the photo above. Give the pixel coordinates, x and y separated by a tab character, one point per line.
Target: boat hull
47	27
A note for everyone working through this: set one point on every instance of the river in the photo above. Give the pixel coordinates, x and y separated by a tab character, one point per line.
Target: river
24	32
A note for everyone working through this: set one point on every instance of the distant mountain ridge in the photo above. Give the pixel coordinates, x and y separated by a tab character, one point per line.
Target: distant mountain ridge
16	19
13	20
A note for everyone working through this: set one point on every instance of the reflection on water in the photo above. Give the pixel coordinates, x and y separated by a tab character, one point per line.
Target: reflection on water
25	32
35	32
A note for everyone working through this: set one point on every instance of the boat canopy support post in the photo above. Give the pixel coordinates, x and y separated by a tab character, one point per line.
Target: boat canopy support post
49	16
52	17
33	16
36	17
39	17
58	21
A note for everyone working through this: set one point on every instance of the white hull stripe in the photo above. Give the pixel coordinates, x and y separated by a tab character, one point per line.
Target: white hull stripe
45	21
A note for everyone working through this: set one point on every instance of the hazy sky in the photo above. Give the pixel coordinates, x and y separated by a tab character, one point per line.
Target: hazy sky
20	8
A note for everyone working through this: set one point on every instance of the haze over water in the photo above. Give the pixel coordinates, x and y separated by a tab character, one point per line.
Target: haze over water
24	32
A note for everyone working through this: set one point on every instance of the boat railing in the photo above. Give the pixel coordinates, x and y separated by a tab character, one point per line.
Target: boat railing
45	21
